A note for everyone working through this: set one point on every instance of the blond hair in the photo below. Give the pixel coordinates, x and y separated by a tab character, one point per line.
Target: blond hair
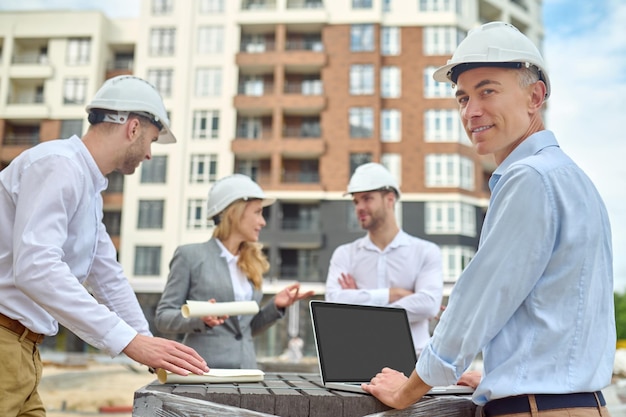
251	261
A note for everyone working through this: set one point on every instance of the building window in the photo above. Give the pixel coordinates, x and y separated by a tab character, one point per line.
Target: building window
393	163
116	182
250	128
162	80
208	82
211	6
203	168
249	167
361	4
361	122
196	214
74	90
300	264
112	222
436	89
439	5
450	217
361	79
362	38
444	126
251	85
441	40
206	124
357	159
390	125
210	39
386	5
150	214
71	127
390	82
449	170
78	51
154	171
147	260
160	7
455	259
162	41
390	40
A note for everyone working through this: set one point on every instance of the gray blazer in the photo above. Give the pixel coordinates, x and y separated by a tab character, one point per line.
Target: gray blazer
198	272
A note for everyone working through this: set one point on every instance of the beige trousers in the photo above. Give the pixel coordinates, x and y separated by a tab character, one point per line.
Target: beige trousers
20	373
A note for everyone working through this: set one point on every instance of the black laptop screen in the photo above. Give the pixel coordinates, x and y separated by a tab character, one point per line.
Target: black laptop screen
355	342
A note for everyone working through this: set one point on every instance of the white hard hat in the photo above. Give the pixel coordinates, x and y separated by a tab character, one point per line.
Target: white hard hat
372	177
126	93
229	189
493	44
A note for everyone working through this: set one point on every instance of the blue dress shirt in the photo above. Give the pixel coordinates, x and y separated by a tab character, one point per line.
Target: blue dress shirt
537	298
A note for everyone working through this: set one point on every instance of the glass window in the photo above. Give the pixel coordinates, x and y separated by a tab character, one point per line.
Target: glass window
390	82
361	4
74	90
208	82
112	222
449	170
78	51
439	5
210	39
203	168
361	122
450	217
211	6
196	214
71	127
150	214
147	260
362	38
206	124
162	80
444	125
249	167
390	40
154	170
162	41
162	7
441	40
361	79
390	125
455	259
357	159
116	182
436	89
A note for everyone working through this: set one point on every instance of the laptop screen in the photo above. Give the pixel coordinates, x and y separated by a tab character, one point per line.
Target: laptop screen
354	342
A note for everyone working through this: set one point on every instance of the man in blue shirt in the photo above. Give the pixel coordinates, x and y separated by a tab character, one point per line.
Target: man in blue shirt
537	298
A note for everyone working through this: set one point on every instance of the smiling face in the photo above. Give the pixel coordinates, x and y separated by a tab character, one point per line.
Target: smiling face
497	112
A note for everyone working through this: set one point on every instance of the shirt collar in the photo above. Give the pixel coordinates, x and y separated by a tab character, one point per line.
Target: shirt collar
225	252
401	239
529	146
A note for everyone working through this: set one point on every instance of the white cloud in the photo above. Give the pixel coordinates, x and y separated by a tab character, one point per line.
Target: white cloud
587	67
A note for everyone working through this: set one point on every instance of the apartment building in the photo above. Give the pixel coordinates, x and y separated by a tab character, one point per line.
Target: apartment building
294	93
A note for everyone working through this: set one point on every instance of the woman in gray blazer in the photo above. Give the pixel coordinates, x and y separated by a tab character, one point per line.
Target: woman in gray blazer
229	267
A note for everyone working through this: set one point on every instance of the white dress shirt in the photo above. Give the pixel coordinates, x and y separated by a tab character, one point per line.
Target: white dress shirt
53	243
407	262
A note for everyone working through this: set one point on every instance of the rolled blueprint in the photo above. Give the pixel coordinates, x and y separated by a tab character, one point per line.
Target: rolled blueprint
212	377
231	308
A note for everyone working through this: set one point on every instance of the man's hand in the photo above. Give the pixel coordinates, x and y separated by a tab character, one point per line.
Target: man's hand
470	379
347	282
395	389
167	354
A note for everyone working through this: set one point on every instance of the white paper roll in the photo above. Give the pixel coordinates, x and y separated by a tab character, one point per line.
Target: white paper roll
231	308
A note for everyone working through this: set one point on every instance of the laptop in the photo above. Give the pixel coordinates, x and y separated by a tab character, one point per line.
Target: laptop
354	342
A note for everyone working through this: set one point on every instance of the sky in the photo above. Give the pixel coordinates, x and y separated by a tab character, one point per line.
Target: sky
585	52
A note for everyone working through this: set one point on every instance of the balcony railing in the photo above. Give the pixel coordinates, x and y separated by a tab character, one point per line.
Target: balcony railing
306	88
304	45
36	98
302	177
255	89
304	131
300	224
34	58
121	64
300	273
305	4
21	139
257	47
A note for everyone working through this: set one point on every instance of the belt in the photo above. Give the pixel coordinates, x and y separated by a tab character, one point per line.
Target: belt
520	403
19	329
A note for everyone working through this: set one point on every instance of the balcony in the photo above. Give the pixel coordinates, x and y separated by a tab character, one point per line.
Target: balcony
305	4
